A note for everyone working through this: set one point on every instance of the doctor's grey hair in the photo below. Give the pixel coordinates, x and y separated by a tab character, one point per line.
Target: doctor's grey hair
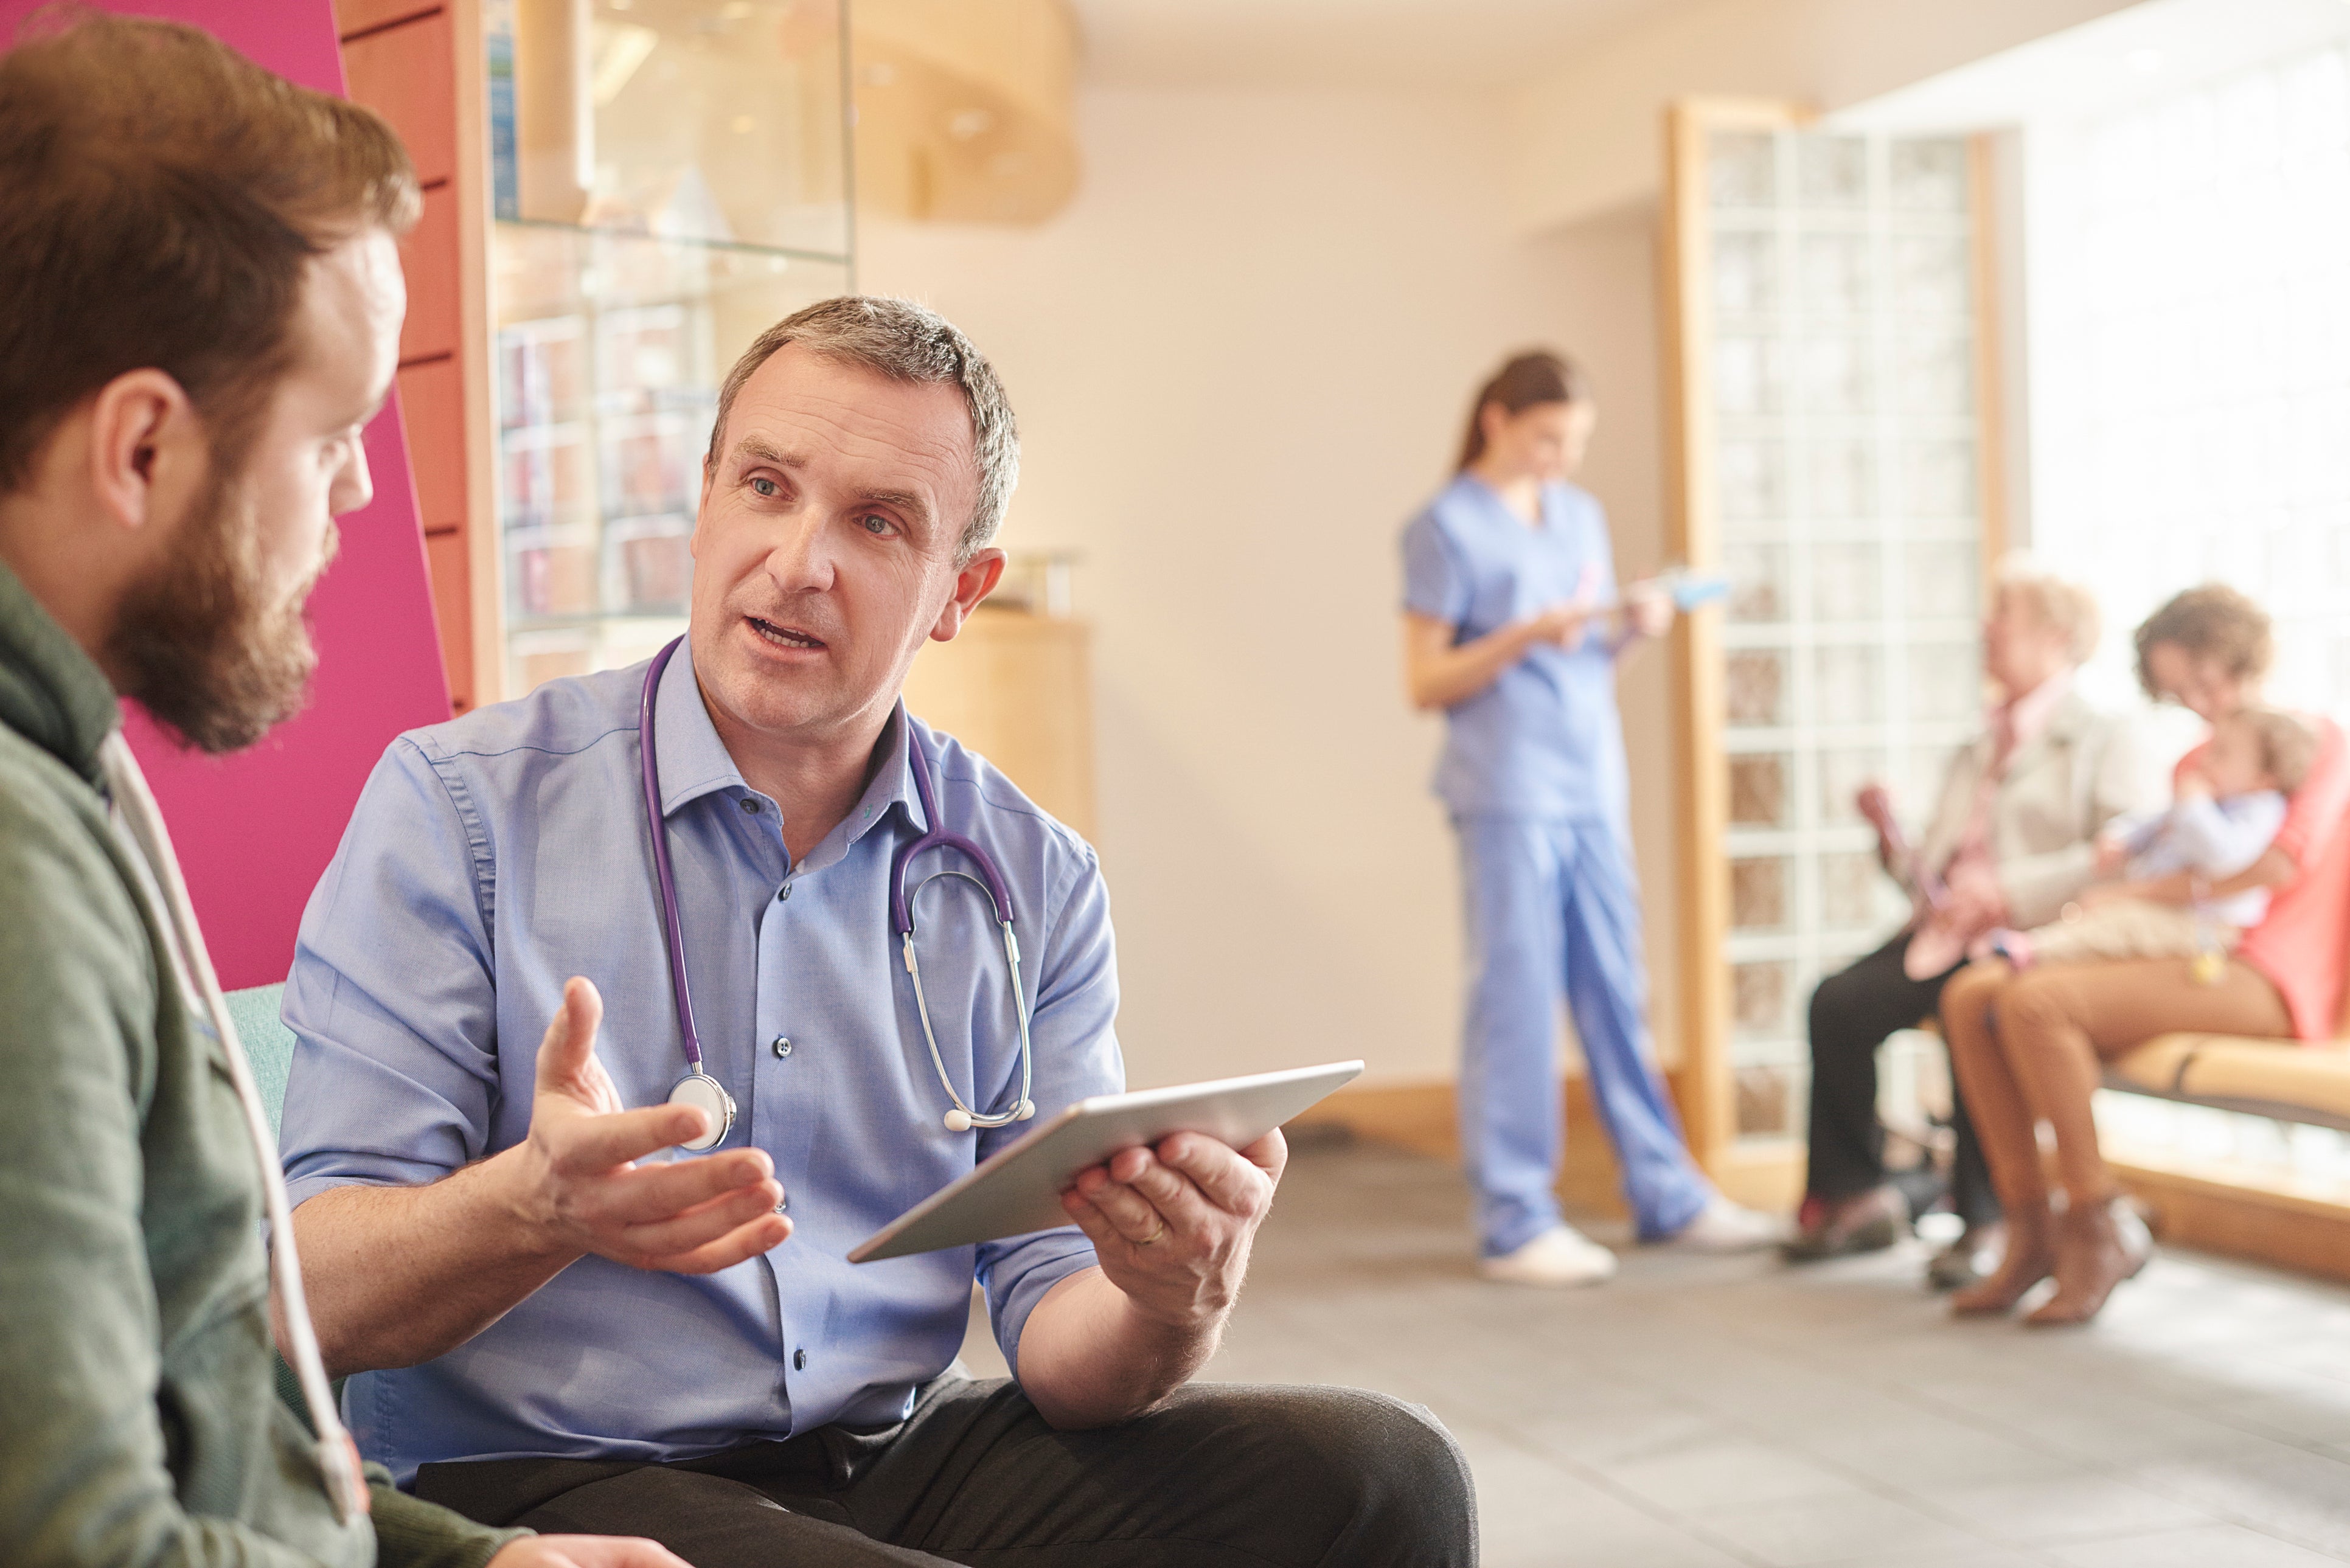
904	342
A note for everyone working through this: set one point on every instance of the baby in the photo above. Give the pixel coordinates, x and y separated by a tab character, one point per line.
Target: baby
2231	801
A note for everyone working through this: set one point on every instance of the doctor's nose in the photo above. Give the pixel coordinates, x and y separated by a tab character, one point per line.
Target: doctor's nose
800	560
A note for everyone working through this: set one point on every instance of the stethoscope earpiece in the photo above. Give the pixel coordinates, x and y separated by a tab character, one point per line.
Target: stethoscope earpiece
958	1120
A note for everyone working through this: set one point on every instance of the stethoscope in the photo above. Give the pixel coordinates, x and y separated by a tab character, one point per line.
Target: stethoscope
697	1087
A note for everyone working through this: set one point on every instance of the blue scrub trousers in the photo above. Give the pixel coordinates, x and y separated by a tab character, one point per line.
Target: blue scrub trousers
1552	906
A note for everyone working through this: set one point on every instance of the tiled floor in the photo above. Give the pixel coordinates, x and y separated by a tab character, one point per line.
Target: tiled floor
1720	1411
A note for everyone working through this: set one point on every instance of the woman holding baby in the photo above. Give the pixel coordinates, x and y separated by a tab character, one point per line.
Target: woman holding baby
2226	915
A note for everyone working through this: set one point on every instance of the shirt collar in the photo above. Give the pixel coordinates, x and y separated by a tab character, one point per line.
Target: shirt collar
695	763
51	691
2028	714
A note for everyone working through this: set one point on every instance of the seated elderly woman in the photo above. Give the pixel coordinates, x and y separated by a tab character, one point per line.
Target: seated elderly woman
2030	1046
2010	842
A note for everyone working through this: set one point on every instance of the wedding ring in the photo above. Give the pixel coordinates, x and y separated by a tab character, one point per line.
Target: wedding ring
1154	1236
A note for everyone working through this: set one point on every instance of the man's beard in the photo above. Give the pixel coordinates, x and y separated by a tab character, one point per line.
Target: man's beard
197	641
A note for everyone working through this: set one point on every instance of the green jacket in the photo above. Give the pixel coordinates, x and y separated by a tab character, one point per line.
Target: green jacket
139	1420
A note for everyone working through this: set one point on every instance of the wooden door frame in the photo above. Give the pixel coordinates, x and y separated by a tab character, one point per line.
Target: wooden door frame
1703	1084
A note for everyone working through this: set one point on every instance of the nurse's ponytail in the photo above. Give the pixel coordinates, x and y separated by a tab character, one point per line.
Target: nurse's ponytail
1537	376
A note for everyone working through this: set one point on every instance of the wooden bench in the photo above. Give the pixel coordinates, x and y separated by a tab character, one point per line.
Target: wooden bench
2289	1080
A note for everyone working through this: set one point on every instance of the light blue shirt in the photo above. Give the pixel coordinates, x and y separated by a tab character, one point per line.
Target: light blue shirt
494	857
1544	740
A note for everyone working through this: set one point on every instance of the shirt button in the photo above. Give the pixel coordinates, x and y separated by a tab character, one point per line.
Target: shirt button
800	1361
783	1047
750	806
783	892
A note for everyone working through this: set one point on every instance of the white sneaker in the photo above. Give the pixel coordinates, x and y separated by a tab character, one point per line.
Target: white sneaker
1561	1255
1722	1226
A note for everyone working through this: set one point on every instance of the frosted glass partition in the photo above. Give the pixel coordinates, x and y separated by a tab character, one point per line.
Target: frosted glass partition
2191	358
1847	498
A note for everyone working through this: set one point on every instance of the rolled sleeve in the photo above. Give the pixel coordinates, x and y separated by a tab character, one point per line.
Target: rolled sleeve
1435	579
392	999
1073	1030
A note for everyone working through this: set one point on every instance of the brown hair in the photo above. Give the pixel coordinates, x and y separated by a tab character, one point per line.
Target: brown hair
902	341
2212	622
2287	746
164	196
1537	376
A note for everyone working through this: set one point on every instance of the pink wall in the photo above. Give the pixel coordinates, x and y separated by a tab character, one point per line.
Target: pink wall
254	831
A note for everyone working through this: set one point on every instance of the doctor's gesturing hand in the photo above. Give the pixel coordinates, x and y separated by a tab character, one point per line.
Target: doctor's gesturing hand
401	1275
586	1191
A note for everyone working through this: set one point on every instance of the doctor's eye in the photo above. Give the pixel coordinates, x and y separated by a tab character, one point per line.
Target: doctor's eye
874	523
764	488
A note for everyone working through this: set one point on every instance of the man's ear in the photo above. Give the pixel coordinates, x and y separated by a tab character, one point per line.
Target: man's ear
148	456
973	583
701	508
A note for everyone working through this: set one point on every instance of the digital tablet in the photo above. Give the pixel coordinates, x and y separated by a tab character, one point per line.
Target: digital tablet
1019	1189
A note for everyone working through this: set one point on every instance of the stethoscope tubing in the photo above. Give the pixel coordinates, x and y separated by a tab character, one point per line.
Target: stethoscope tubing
989	880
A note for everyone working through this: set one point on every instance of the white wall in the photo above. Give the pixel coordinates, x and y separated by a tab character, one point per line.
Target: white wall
1589	131
1240	360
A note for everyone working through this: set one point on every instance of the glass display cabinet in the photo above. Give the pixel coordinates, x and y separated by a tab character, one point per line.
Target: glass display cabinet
670	177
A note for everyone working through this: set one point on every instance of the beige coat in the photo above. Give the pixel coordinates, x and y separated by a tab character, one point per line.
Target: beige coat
2083	770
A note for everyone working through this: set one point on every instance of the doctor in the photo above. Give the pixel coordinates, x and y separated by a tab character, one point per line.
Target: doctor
1505	575
551	1318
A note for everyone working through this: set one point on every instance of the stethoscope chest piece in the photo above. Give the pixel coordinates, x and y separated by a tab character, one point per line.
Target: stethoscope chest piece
702	1090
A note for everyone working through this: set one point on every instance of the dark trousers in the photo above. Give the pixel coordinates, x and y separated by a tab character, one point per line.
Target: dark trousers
1224	1475
1853	1012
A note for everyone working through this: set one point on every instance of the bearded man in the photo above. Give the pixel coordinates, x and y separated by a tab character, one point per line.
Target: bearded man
200	308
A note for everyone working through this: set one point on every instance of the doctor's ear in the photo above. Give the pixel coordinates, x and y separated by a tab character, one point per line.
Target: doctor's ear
147	456
973	583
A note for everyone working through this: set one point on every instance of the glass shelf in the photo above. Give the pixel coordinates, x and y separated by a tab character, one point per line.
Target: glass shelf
671	181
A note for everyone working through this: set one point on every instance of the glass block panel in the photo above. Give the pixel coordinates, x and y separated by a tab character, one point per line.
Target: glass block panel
1930	176
1934	375
1836	375
1742	169
1848	684
1847	582
1933	274
1768	1100
1832	171
1841	477
1753	479
1746	375
1755	689
1842	773
1760	897
1758	582
1745	274
1759	790
1761	998
1941	580
1834	275
1945	682
1937	479
1851	885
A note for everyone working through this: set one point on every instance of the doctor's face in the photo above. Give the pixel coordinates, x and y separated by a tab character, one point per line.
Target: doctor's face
824	549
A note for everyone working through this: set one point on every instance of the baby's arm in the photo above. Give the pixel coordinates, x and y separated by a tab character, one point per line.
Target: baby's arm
2221	837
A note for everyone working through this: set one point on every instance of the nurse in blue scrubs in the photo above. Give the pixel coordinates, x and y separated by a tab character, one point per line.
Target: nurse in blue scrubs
1512	628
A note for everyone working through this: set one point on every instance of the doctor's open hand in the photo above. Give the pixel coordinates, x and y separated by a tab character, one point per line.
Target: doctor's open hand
1172	1224
586	1193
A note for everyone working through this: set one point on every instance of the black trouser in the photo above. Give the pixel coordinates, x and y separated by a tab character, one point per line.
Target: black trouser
1853	1012
1224	1475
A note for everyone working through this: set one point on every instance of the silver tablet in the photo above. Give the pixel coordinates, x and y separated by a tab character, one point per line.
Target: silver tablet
1019	1189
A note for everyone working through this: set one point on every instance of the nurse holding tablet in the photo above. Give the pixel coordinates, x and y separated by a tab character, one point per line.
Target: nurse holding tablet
1512	626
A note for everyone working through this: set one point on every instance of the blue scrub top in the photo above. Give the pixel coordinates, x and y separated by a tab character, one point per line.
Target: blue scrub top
1545	740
